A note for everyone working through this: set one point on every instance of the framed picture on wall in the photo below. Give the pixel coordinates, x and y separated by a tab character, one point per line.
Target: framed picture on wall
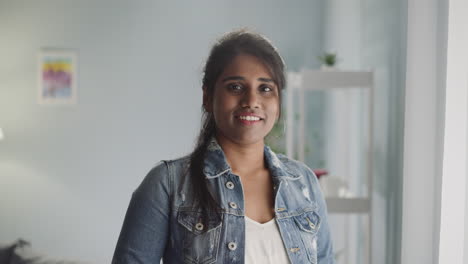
57	76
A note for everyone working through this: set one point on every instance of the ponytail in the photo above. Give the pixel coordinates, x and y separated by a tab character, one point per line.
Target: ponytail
204	200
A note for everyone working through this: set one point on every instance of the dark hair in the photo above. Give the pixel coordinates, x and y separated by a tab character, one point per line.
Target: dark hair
222	53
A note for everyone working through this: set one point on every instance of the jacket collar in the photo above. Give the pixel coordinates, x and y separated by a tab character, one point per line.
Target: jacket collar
216	163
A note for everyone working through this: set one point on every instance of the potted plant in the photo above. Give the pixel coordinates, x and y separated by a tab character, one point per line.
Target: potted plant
328	60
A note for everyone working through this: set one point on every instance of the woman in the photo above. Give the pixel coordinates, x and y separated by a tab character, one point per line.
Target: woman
232	200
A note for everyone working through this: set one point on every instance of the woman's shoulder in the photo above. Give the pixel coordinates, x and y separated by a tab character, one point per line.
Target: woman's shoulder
162	174
163	167
177	162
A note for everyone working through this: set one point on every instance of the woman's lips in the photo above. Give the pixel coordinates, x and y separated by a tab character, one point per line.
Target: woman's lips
248	119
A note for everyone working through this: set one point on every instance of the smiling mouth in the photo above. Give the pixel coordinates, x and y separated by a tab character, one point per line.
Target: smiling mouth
248	119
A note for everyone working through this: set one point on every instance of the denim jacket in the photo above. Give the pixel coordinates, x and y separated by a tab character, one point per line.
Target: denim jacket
160	221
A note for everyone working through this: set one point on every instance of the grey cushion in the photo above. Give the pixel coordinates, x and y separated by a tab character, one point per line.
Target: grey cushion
23	254
6	250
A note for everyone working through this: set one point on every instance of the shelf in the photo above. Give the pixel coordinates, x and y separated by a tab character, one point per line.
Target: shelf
336	82
348	205
324	80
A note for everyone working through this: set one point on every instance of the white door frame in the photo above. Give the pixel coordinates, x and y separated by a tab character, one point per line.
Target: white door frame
434	174
454	174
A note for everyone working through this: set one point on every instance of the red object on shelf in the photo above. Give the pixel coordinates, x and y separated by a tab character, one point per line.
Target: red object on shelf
320	172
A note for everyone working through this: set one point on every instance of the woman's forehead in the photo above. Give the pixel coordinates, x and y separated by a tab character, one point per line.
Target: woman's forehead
245	65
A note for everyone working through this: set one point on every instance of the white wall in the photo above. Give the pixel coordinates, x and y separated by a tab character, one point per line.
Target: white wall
424	124
67	172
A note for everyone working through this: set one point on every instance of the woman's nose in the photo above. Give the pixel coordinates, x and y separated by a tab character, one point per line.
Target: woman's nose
250	99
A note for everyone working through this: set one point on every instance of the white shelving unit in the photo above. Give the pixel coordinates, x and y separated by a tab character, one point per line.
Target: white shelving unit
319	80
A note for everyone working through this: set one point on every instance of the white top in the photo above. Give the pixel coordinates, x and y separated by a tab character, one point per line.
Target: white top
263	243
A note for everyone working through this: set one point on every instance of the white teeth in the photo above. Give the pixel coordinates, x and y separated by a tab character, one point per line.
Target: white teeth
249	118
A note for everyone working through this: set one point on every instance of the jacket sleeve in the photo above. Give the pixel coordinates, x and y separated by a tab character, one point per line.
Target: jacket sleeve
324	240
145	229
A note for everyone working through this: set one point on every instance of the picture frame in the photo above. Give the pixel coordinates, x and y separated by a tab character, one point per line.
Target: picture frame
57	76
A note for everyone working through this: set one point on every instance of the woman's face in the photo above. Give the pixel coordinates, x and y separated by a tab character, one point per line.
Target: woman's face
245	102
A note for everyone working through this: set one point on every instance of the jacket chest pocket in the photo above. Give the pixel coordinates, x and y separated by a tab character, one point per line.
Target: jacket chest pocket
200	241
309	224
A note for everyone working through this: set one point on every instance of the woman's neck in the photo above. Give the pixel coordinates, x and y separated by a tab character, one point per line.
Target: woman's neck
243	159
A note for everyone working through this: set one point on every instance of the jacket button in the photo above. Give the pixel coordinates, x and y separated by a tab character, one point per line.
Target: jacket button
233	205
230	185
199	226
232	246
312	225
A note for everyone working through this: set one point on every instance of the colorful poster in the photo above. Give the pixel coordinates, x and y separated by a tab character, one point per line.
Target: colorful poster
57	77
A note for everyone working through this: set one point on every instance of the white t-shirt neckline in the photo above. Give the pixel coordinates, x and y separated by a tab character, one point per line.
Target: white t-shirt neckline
263	243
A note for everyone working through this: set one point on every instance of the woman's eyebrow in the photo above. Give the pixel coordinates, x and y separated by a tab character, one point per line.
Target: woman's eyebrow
268	80
233	78
240	78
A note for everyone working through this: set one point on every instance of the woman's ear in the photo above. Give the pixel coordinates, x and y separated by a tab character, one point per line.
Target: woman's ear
206	100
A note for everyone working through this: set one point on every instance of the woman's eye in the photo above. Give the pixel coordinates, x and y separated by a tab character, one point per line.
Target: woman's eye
266	89
235	87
